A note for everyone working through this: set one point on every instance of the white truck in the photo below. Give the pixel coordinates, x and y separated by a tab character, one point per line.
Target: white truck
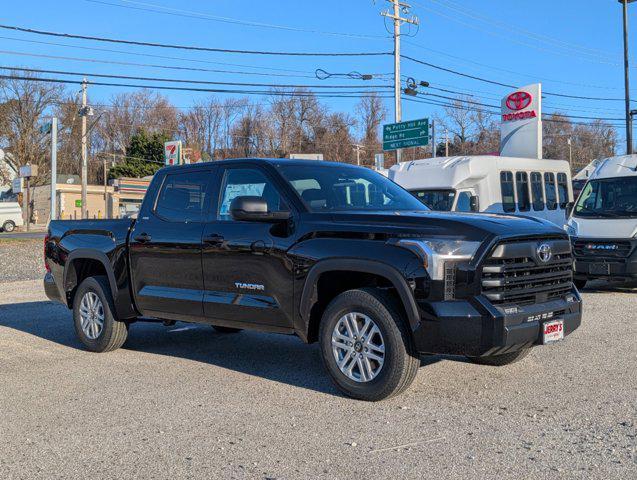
603	223
10	216
490	184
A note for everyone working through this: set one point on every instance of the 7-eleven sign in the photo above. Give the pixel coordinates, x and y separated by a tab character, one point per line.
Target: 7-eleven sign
172	152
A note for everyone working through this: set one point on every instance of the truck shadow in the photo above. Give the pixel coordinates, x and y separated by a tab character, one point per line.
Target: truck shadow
280	358
602	286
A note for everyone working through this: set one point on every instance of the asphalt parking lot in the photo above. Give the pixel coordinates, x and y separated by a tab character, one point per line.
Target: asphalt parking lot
187	402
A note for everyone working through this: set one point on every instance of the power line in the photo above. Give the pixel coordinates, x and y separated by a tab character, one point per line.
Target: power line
192	47
163	57
516	29
510	72
181	80
346	94
493	82
149	7
596	58
148	65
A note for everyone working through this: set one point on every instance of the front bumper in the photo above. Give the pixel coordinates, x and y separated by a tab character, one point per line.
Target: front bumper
597	264
477	328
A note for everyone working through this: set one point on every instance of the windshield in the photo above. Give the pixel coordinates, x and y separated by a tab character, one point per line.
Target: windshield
325	189
608	198
441	200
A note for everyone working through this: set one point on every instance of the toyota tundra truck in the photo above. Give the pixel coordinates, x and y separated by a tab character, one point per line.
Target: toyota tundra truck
332	253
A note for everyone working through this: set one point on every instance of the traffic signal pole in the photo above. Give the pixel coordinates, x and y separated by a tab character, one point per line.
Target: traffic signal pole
398	21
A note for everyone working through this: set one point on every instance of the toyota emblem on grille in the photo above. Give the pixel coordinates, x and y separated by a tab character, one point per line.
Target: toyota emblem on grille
518	100
544	252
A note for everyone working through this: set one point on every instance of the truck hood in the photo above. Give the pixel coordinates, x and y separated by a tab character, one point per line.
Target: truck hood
473	226
617	228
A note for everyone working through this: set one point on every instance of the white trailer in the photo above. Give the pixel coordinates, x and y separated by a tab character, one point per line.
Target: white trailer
10	216
490	184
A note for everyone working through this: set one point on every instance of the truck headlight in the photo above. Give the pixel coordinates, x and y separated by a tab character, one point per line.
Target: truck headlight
435	253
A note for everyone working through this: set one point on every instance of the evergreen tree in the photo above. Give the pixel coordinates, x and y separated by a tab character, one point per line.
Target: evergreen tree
144	155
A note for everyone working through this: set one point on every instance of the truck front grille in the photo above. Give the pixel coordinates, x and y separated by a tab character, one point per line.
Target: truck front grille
515	274
600	248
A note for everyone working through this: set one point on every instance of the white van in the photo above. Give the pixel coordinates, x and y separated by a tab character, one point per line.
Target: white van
603	223
10	216
490	184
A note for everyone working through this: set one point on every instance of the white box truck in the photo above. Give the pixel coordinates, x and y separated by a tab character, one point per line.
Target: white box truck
603	223
490	184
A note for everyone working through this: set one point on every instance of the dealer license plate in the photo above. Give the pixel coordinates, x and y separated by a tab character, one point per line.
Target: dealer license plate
553	331
599	269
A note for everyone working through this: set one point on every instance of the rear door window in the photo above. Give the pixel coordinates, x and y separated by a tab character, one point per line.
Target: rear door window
562	189
551	192
522	186
506	186
182	197
537	194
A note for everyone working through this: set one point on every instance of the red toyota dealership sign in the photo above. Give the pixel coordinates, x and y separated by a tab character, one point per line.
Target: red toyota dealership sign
518	101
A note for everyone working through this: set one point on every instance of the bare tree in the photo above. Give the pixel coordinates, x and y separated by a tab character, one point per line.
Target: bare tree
132	111
24	102
371	111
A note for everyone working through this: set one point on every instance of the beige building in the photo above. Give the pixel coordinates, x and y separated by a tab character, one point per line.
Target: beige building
118	201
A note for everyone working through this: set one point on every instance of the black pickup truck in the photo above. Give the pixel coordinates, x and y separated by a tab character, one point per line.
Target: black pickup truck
332	253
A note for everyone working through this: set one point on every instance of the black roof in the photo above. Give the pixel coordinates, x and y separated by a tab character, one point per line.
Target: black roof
270	161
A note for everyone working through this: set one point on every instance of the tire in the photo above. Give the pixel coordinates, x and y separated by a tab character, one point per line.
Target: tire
112	333
580	284
400	361
501	360
221	329
8	226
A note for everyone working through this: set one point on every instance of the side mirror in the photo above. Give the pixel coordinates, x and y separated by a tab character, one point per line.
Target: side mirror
474	203
569	209
255	209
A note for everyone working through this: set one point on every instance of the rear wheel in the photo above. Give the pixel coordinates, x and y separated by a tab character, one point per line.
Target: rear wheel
366	345
8	226
94	318
580	283
501	360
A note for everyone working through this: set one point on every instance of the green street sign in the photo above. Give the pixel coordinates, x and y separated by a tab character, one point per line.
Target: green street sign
78	203
414	133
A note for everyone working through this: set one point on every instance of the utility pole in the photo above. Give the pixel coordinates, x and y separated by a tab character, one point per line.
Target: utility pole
446	142
570	150
398	21
629	119
54	163
84	114
358	152
433	139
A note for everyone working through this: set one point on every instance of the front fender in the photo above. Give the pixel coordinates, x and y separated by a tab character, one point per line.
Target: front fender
310	294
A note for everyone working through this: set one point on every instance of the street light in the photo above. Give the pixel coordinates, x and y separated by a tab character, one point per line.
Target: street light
629	120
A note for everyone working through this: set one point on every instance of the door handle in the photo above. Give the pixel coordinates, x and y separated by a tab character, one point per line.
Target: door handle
213	239
143	238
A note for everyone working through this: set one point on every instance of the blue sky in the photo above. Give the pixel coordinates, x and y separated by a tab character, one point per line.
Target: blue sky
573	47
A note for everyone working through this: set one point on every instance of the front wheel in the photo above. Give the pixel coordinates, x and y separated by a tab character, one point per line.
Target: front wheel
8	226
366	345
93	315
501	360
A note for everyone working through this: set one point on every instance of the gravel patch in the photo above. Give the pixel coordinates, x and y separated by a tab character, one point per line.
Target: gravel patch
21	260
188	402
